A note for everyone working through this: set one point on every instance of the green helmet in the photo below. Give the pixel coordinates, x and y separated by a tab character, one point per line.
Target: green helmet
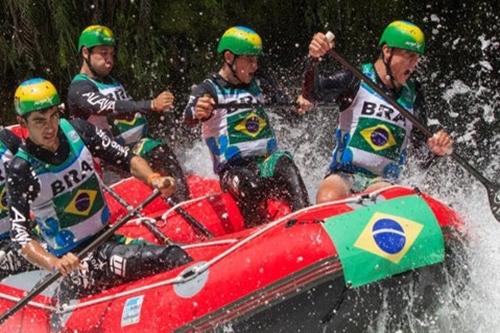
240	41
95	35
35	95
404	35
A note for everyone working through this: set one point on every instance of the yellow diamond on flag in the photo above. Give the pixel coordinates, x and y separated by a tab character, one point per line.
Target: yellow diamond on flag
130	122
388	236
82	203
379	137
251	125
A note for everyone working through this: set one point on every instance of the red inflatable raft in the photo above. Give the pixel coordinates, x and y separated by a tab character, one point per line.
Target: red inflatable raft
328	265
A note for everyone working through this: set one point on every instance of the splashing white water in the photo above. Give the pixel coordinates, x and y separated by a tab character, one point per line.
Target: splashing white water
475	309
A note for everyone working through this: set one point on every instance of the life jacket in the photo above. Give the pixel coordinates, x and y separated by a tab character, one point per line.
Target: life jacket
372	137
233	133
70	207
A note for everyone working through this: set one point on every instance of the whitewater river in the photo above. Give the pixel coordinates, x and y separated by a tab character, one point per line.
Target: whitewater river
477	306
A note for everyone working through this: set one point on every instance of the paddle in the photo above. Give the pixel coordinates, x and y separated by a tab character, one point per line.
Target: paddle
44	284
238	105
159	235
492	188
188	217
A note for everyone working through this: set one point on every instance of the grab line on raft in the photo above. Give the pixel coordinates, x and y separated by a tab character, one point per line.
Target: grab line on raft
197	270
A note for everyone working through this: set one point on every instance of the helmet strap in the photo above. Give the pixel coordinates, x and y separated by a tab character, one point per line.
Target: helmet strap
232	68
89	65
388	71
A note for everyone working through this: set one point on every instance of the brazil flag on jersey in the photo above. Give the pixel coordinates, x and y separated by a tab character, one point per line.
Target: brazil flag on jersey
378	136
249	125
388	238
74	206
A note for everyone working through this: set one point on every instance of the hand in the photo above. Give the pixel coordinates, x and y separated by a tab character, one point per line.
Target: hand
166	185
162	102
320	45
204	107
303	105
440	143
66	264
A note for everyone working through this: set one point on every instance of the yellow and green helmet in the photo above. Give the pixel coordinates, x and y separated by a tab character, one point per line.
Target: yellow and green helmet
403	35
35	95
95	35
240	41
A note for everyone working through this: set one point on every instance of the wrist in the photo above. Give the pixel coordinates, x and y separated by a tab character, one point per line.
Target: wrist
152	177
153	105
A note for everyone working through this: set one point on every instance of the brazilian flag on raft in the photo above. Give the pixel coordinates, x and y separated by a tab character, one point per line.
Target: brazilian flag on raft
385	239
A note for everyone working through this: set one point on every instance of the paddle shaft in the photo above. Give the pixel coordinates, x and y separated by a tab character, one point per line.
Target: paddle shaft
237	105
44	284
159	235
189	218
414	120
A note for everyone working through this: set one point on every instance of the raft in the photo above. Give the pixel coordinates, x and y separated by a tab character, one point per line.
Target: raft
325	268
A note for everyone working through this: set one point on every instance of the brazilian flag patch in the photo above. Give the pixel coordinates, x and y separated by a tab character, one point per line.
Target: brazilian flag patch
74	206
379	137
248	126
386	239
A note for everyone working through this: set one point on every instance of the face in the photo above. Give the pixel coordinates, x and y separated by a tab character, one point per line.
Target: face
403	64
43	127
102	59
245	68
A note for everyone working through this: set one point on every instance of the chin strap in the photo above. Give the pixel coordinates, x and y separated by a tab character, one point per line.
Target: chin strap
389	76
87	61
232	68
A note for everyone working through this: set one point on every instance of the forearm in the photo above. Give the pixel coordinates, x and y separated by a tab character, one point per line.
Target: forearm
140	169
128	107
84	99
309	84
102	145
38	255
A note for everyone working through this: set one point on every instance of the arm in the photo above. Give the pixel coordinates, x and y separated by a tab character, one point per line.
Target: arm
340	86
102	146
201	103
84	100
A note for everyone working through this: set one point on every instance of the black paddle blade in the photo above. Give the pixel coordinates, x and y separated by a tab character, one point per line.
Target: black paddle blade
494	197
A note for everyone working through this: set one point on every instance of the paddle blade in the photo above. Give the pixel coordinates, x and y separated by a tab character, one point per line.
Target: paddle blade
494	197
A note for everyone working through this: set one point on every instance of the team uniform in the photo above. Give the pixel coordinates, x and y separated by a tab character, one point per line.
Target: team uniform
105	103
244	148
372	139
62	190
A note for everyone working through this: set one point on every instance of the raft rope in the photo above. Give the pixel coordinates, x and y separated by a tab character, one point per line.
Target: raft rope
180	204
32	303
197	270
